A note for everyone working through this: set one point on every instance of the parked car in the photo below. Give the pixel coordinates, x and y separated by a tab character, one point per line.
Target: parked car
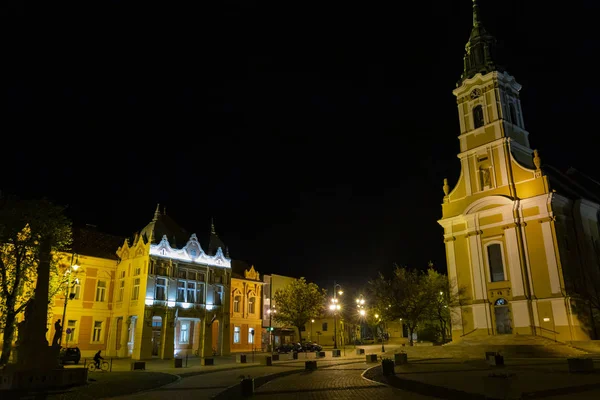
71	354
311	346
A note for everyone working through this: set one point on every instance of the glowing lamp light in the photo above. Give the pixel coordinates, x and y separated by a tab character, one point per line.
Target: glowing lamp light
332	307
209	307
186	305
149	302
362	312
376	315
171	303
546	319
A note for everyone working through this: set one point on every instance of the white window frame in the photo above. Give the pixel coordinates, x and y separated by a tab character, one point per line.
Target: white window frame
164	286
76	289
487	260
200	293
97	332
250	335
252	305
237	334
100	291
184	333
181	291
70	337
237	299
190	297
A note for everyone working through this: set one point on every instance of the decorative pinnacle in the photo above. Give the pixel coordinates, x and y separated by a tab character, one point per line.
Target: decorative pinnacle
212	226
476	20
157	212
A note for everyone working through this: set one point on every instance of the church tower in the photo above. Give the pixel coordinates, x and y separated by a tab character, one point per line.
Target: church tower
500	217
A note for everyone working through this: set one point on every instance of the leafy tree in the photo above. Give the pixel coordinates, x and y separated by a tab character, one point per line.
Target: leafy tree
444	298
23	225
298	303
403	295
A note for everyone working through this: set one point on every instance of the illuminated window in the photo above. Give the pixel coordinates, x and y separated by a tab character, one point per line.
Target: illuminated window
101	291
236	334
236	303
181	291
71	330
478	116
218	299
135	294
191	291
121	290
161	289
200	293
184	332
495	262
251	335
76	290
251	305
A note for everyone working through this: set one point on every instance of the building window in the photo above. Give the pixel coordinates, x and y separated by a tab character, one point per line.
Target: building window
200	293
495	262
251	335
184	332
201	277
181	291
251	302
76	290
71	330
137	271
161	289
236	303
191	291
513	114
478	116
135	294
236	334
218	299
121	289
97	333
101	291
324	327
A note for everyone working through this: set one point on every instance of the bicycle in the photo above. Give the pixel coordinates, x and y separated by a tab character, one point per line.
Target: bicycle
104	366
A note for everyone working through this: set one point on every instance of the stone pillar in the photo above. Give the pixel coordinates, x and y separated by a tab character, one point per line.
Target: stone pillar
197	340
142	345
224	331
167	345
206	338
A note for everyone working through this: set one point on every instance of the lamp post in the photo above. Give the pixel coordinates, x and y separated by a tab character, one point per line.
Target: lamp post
312	321
271	311
335	308
381	326
68	295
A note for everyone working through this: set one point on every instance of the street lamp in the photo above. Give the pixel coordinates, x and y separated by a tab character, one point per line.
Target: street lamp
382	335
68	295
335	307
271	311
312	321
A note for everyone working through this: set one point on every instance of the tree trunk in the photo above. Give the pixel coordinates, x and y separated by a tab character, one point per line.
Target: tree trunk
299	334
443	329
411	330
9	331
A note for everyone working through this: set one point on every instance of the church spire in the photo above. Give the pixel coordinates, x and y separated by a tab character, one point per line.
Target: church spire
212	226
156	213
480	49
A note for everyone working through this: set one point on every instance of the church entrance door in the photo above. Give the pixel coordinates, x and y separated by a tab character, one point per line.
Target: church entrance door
502	314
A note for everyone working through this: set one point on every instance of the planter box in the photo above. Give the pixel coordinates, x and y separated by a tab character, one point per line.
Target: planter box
268	361
178	362
360	352
208	361
501	387
247	387
400	358
310	365
295	355
371	358
320	354
275	357
336	353
387	367
581	364
241	358
141	365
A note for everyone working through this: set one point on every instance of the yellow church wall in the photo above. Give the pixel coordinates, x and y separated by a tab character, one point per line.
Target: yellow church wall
531	188
463	272
491	219
537	260
519	172
530	212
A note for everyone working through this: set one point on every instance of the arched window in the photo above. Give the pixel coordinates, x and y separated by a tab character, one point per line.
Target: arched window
236	303
513	114
251	307
478	116
495	262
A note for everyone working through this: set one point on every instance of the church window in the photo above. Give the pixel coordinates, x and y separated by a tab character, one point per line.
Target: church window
495	262
478	116
513	114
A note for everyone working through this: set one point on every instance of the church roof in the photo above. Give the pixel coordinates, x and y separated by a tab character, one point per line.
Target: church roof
480	50
573	183
215	242
90	242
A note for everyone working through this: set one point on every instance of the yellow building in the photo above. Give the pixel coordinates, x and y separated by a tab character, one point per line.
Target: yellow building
275	333
518	236
245	308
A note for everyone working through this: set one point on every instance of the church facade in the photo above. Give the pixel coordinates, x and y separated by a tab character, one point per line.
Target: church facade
521	238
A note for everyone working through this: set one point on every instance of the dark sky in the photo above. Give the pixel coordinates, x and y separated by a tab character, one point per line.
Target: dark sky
317	136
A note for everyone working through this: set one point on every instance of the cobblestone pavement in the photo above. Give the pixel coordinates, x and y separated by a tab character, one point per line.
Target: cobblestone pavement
336	382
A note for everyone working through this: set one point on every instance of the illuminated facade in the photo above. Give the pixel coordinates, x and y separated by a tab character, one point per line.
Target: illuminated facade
245	308
519	238
280	333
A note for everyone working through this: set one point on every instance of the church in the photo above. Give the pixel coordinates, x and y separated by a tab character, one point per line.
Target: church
521	237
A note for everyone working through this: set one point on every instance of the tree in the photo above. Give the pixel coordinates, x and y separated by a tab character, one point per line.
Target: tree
444	298
23	225
403	295
298	303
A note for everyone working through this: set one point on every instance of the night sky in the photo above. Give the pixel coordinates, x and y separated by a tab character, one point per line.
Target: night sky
316	136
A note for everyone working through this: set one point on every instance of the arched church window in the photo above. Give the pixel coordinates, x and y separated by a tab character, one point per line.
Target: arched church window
478	116
495	262
513	114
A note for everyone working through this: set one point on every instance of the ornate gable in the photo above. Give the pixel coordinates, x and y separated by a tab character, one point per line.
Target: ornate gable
251	274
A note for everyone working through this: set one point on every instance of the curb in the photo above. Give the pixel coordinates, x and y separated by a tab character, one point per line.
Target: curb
234	391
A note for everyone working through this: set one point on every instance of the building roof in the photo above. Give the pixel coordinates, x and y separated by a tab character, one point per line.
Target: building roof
90	242
573	183
162	225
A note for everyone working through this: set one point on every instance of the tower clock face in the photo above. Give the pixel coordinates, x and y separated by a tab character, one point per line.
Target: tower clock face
475	93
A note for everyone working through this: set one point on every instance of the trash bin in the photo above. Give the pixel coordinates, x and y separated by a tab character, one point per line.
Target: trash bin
178	362
247	387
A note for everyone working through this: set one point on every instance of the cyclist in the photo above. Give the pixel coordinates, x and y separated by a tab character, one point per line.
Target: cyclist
97	358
